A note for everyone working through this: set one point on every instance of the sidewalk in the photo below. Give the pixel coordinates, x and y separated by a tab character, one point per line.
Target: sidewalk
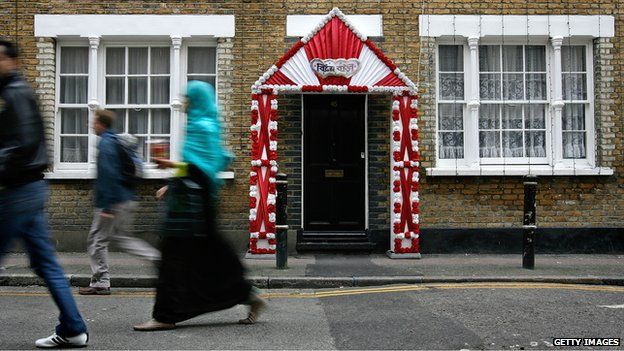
346	270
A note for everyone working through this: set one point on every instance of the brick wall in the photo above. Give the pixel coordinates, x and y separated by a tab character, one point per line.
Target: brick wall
452	202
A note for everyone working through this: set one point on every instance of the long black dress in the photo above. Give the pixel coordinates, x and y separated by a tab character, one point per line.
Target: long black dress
198	274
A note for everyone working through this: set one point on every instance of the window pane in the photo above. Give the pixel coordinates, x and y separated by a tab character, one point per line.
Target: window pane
74	90
489	144
207	79
512	58
451	86
489	117
573	117
513	86
74	149
489	58
137	60
160	90
115	61
74	59
573	145
451	145
451	58
159	61
137	121
451	117
536	59
115	90
536	86
137	90
490	86
161	120
119	124
534	116
573	59
574	86
512	144
201	60
512	117
535	143
74	121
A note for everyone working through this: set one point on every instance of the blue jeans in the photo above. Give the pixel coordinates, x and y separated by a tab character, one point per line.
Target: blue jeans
22	215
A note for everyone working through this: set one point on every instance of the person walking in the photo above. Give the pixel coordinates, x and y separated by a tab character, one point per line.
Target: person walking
199	271
23	196
114	209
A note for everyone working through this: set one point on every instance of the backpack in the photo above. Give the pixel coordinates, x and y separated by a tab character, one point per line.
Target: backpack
131	162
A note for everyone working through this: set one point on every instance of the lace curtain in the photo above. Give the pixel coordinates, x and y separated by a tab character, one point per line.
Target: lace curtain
74	134
574	72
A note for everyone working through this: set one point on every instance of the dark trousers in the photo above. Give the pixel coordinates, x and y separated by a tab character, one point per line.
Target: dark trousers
22	215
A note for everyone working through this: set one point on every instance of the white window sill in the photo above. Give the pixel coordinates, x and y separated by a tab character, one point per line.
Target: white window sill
90	174
519	170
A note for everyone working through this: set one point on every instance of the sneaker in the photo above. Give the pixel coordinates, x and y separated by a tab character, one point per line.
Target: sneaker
56	341
94	290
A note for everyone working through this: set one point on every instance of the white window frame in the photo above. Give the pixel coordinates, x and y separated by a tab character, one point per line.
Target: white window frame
554	163
97	78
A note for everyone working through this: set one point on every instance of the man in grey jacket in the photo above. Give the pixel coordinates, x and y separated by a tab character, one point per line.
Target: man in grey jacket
115	206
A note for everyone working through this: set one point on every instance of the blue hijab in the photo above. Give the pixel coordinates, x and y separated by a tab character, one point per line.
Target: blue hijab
203	146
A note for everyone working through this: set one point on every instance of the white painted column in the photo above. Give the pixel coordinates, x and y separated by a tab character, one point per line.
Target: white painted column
93	102
472	126
557	103
176	100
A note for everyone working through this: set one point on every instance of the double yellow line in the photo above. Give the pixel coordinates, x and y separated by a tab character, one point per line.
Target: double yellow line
379	290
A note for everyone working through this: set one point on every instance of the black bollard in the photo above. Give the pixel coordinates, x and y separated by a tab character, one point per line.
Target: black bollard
528	223
281	254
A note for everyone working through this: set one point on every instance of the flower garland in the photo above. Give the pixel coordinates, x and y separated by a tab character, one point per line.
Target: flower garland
262	191
405	178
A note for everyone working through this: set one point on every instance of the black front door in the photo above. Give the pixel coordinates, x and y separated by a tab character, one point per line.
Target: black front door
334	163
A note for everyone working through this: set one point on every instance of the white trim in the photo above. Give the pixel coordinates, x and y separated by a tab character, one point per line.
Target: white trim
512	170
301	25
516	25
366	178
302	161
153	174
124	25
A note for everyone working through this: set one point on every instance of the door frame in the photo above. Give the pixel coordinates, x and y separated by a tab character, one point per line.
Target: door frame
366	205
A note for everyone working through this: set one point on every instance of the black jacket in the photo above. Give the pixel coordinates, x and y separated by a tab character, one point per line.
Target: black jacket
23	155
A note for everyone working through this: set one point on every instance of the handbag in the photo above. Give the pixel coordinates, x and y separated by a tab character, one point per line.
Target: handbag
185	208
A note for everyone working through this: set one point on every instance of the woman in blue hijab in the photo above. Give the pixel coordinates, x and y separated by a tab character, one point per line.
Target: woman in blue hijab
200	272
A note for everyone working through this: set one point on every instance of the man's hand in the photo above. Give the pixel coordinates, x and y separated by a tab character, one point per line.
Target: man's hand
107	215
161	192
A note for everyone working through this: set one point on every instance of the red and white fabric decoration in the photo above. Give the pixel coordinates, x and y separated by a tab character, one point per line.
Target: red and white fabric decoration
263	170
406	163
332	41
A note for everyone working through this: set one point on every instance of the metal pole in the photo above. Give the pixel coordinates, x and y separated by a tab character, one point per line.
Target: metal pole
528	223
281	254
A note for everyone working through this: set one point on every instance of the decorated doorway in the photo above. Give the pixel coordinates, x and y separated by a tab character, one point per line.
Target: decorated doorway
334	164
335	59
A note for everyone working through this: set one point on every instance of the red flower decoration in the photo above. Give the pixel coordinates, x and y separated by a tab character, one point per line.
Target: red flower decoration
414	134
396	136
397	156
